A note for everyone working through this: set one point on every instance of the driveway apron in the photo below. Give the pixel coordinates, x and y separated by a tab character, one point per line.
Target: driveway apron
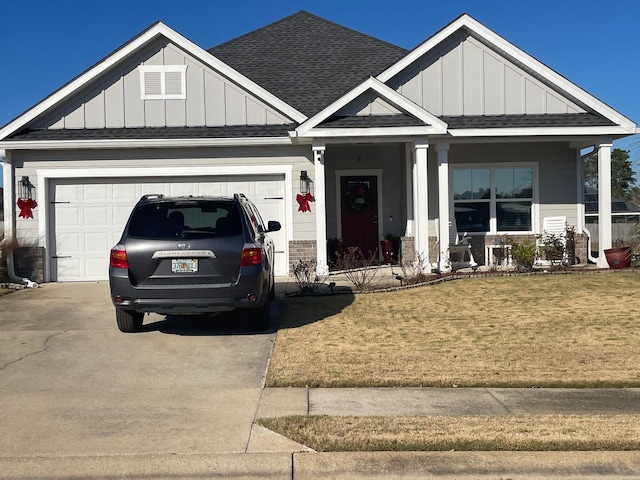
72	384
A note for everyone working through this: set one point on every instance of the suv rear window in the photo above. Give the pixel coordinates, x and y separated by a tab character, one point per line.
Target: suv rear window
169	220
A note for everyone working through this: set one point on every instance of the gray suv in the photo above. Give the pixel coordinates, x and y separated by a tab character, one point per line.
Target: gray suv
190	255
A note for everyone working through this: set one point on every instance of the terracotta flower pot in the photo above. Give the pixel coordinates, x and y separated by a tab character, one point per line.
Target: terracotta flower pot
619	257
387	250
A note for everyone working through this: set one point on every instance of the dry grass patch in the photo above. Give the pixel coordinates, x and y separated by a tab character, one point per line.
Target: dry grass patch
478	433
545	331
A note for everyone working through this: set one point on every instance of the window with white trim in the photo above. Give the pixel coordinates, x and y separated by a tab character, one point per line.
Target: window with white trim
494	199
163	82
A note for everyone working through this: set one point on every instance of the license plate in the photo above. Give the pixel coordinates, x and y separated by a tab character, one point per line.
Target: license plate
184	265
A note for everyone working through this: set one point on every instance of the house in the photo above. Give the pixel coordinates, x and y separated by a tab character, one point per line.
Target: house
334	133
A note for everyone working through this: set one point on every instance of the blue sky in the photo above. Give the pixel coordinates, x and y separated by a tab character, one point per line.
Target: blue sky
593	43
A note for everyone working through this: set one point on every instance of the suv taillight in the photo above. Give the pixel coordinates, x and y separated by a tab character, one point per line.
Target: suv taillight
119	257
251	256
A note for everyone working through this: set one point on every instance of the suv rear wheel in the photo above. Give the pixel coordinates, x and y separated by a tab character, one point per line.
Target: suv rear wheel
129	321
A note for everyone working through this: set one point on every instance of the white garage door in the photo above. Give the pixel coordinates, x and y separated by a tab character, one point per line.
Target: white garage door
88	216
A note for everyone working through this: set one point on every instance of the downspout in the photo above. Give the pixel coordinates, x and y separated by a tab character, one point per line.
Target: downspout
8	181
586	232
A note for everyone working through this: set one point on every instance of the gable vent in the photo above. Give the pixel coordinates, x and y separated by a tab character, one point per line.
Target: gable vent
163	82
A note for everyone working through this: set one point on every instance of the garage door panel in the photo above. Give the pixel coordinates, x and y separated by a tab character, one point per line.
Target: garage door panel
96	268
267	189
66	193
89	215
71	242
182	189
126	192
69	216
68	268
97	242
96	216
215	189
96	192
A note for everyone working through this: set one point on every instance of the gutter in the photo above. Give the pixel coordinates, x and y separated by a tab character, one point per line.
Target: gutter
7	171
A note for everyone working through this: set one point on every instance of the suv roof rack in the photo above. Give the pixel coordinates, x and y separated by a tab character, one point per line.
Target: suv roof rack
239	196
151	195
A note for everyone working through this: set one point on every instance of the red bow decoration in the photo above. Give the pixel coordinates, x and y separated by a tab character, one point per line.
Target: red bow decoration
26	206
303	201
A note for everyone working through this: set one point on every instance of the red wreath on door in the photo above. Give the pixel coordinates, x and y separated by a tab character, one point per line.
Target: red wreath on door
26	207
303	202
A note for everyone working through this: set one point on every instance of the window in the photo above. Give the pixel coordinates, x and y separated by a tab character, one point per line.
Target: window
192	219
163	82
493	199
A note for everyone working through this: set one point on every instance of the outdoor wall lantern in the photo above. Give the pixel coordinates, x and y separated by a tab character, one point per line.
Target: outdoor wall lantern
304	182
26	198
304	197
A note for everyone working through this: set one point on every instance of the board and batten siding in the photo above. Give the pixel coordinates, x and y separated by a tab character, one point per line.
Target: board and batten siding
465	77
115	100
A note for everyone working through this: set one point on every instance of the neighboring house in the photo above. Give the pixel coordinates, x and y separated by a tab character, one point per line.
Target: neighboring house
624	215
464	127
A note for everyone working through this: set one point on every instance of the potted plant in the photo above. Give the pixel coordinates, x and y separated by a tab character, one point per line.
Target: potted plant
386	245
619	256
633	240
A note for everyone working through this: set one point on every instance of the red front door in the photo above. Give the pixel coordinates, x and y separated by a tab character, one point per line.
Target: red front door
360	213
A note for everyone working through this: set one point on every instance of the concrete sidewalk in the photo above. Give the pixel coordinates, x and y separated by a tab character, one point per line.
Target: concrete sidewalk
277	402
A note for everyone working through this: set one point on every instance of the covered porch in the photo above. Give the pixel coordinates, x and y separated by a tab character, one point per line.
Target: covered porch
415	188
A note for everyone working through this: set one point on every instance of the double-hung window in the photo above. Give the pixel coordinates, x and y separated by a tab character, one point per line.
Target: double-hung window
494	199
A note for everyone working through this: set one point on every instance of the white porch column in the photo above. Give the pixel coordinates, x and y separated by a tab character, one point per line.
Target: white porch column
410	226
421	202
443	205
321	207
604	201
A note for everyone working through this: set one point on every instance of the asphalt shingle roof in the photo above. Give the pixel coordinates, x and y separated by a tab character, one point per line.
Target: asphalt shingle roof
515	121
307	61
148	133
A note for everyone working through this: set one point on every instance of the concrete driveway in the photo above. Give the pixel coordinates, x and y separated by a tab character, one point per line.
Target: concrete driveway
71	384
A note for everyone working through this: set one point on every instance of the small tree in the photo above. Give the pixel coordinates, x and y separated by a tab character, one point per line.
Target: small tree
623	180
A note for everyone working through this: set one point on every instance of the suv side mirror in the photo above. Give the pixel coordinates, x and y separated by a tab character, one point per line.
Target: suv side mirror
273	226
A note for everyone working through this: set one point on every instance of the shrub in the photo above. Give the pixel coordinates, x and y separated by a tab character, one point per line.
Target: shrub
306	276
413	270
523	255
357	268
553	249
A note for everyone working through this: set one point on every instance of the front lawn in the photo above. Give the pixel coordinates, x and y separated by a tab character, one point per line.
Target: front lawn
578	330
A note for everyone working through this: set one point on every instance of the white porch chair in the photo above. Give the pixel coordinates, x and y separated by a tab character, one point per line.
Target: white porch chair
459	253
553	226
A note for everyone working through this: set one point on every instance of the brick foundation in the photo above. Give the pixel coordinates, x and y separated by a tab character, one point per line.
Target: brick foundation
28	262
301	250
